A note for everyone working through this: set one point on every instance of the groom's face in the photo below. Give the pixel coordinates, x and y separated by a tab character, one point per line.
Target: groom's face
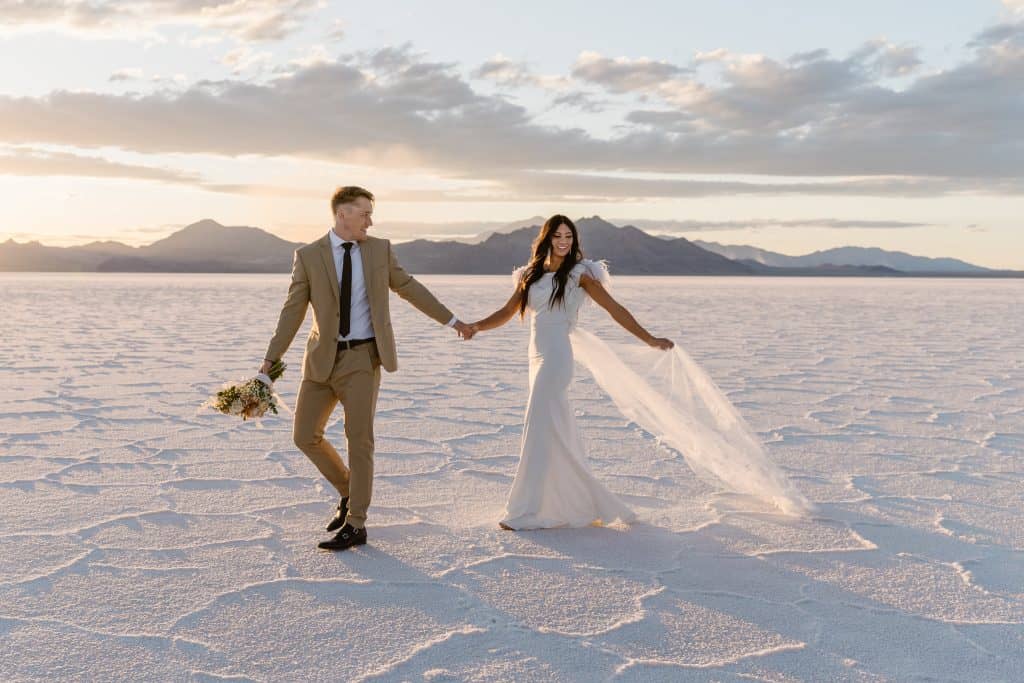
352	220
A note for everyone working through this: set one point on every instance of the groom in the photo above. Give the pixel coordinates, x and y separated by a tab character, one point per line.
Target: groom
346	275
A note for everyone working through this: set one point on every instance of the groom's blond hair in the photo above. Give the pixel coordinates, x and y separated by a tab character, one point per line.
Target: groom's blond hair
347	195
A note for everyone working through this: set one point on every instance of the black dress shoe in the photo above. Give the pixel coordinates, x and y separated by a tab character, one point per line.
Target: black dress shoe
346	538
339	517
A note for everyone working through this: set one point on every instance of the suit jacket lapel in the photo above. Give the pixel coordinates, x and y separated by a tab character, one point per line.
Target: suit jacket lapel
332	273
367	258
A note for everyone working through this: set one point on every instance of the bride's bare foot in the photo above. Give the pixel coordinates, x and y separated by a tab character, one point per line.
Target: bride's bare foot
506	527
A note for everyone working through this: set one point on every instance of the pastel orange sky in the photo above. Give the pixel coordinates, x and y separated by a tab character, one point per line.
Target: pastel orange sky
793	127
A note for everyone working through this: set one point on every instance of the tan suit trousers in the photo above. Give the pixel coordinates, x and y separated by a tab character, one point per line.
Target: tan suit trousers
355	382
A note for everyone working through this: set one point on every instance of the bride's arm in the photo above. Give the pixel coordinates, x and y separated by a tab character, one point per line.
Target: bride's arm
500	316
619	313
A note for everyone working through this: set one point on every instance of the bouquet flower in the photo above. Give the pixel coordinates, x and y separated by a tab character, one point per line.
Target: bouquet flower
249	398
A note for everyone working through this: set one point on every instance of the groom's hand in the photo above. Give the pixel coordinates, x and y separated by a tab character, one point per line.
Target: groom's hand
465	331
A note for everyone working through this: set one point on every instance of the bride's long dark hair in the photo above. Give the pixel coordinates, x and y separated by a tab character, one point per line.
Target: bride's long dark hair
541	248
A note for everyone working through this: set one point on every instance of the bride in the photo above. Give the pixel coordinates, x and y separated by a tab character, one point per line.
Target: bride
674	399
553	486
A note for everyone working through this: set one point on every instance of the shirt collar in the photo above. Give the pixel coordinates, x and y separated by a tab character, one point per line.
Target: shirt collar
336	241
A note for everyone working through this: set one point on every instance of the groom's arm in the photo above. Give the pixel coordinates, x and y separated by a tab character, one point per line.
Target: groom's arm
292	313
410	289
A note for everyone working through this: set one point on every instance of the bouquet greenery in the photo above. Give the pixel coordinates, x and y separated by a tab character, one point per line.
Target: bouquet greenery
249	398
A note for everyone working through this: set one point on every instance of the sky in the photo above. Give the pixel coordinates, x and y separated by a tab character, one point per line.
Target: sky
792	126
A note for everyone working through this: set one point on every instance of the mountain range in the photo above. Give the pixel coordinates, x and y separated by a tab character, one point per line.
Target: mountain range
208	246
843	256
629	250
203	247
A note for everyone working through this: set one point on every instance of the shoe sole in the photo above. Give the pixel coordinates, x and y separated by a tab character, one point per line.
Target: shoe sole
340	548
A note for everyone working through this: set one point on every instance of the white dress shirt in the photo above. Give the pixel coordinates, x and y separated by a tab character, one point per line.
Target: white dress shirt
360	324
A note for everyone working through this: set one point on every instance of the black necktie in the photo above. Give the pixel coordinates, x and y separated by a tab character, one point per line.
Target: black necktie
346	290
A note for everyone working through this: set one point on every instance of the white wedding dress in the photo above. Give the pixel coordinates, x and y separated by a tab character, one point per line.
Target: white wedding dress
553	485
670	397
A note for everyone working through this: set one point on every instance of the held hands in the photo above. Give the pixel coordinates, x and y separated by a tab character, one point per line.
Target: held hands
465	331
661	343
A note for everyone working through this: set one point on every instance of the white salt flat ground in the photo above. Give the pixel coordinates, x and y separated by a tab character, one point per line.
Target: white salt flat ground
141	541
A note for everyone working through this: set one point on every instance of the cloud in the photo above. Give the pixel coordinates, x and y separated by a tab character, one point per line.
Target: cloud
262	190
337	30
314	55
672	120
886	59
582	100
1000	39
813	115
511	74
244	57
621	75
766	223
595	187
128	74
250	20
399	111
958	122
26	162
33	162
525	186
763	94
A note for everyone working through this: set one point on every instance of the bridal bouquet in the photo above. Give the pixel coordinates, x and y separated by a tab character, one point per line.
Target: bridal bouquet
250	398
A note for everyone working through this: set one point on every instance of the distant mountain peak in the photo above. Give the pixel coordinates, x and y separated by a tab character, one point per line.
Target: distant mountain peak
523	223
211	229
594	220
205	224
107	246
208	240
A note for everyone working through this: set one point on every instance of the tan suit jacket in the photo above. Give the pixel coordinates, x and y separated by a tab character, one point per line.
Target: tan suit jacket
315	281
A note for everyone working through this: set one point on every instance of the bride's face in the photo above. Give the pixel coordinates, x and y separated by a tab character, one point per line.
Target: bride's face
561	241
